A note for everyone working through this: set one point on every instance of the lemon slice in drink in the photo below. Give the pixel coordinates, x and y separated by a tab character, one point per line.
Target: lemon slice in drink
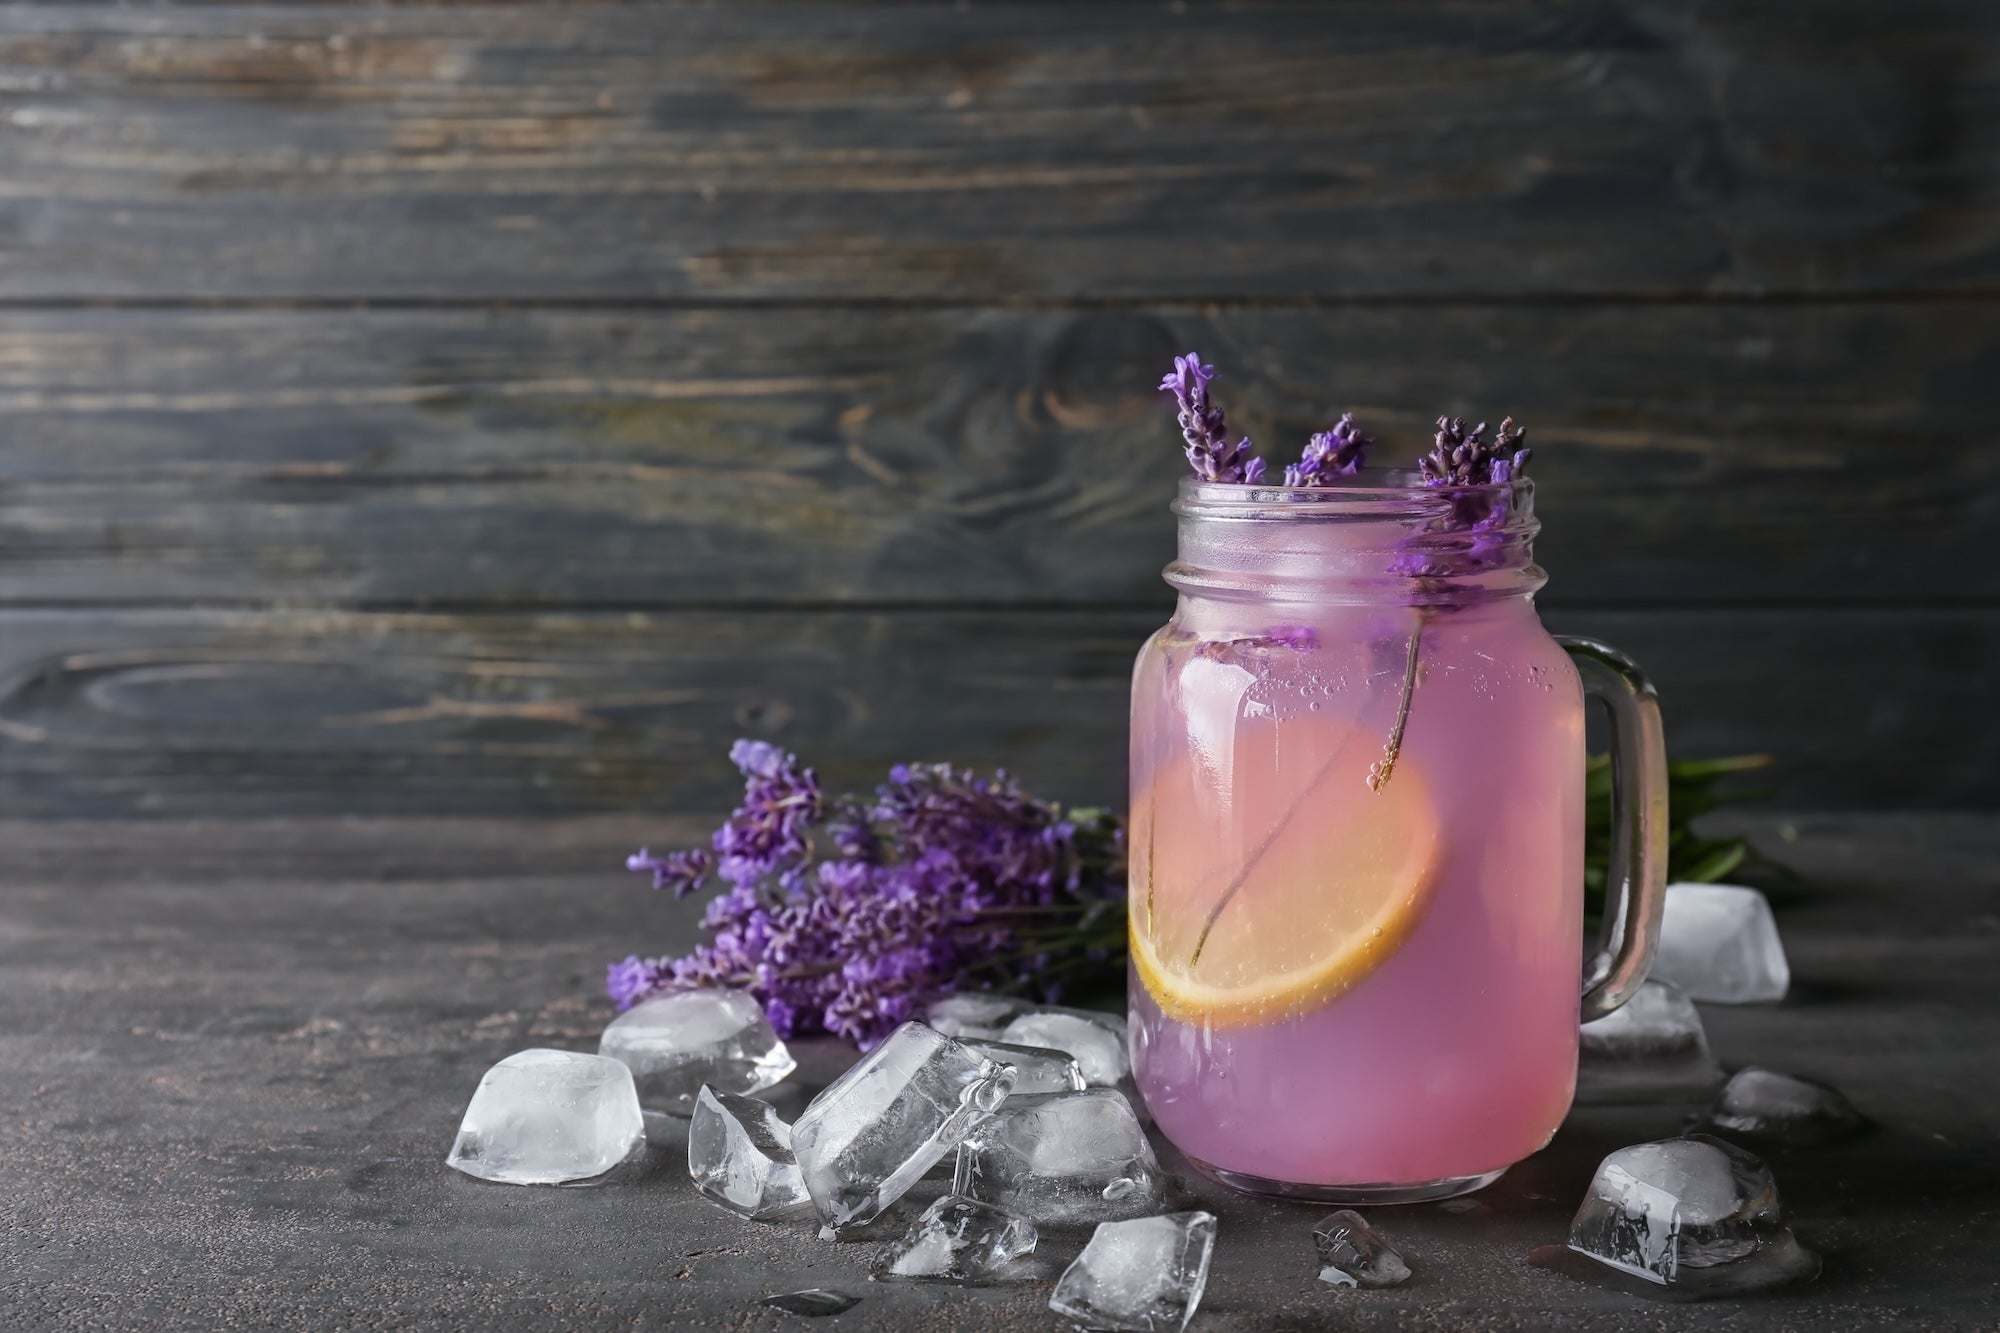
1248	918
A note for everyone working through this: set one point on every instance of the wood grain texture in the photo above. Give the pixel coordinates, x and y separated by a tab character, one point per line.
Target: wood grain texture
1045	152
1707	454
213	713
236	1053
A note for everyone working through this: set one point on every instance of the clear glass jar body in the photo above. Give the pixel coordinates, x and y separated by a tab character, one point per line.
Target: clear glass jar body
1412	945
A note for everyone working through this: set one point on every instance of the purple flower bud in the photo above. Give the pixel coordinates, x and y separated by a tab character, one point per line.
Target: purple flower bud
1459	457
634	979
1473	472
1209	451
1330	455
682	872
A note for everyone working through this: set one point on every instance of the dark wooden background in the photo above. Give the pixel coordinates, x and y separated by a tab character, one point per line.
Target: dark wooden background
497	408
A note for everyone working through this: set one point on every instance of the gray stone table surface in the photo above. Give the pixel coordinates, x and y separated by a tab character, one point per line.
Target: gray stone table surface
232	1057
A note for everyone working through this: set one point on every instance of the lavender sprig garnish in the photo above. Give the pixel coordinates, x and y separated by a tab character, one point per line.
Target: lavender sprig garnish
847	914
1330	456
1459	457
1209	451
1293	638
1469	467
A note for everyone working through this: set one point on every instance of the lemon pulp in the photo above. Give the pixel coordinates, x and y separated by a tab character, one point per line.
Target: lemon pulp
1280	887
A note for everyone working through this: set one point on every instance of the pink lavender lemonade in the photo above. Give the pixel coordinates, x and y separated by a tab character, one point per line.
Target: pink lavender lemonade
1356	845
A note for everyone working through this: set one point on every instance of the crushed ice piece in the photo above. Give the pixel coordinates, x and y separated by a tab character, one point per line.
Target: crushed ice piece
1037	1069
543	1117
1652	1048
812	1302
740	1155
871	1135
888	1224
676	1043
1353	1254
1658	1210
1066	1157
1097	1041
1767	1106
975	1013
1145	1275
1719	942
957	1240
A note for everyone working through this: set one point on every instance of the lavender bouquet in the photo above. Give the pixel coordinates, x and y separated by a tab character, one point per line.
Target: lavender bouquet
847	914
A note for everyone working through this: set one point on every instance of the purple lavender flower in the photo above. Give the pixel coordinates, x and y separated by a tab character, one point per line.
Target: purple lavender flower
634	979
683	872
939	880
1459	457
1474	473
1296	638
768	830
1209	451
783	1021
1330	455
1511	456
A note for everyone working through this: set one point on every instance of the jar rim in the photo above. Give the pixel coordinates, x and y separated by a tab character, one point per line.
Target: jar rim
1372	493
1382	535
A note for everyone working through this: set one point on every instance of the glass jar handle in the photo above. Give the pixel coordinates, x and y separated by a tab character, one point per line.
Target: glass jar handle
1636	875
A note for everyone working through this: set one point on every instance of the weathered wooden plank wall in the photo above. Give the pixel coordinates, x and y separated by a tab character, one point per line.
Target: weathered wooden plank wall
497	408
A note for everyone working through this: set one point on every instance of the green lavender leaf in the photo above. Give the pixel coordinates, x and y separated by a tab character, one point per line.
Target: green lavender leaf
1695	787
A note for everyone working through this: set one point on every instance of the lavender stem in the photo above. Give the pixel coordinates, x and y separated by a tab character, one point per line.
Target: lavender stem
1378	774
1265	843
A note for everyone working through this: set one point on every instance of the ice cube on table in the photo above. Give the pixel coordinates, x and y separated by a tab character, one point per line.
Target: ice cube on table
1145	1275
957	1240
1767	1106
740	1155
1066	1157
812	1302
674	1044
1657	1210
1719	943
1097	1041
1036	1068
1652	1048
864	1141
543	1117
975	1013
1353	1254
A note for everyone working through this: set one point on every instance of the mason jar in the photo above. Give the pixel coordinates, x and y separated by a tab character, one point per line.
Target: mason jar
1357	841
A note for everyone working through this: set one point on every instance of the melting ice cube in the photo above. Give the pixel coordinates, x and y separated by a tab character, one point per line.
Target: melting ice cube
1353	1254
676	1043
1766	1106
1652	1048
865	1140
1145	1275
1656	1210
957	1240
1036	1068
975	1014
1068	1157
543	1117
1718	942
1096	1040
813	1302
740	1155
